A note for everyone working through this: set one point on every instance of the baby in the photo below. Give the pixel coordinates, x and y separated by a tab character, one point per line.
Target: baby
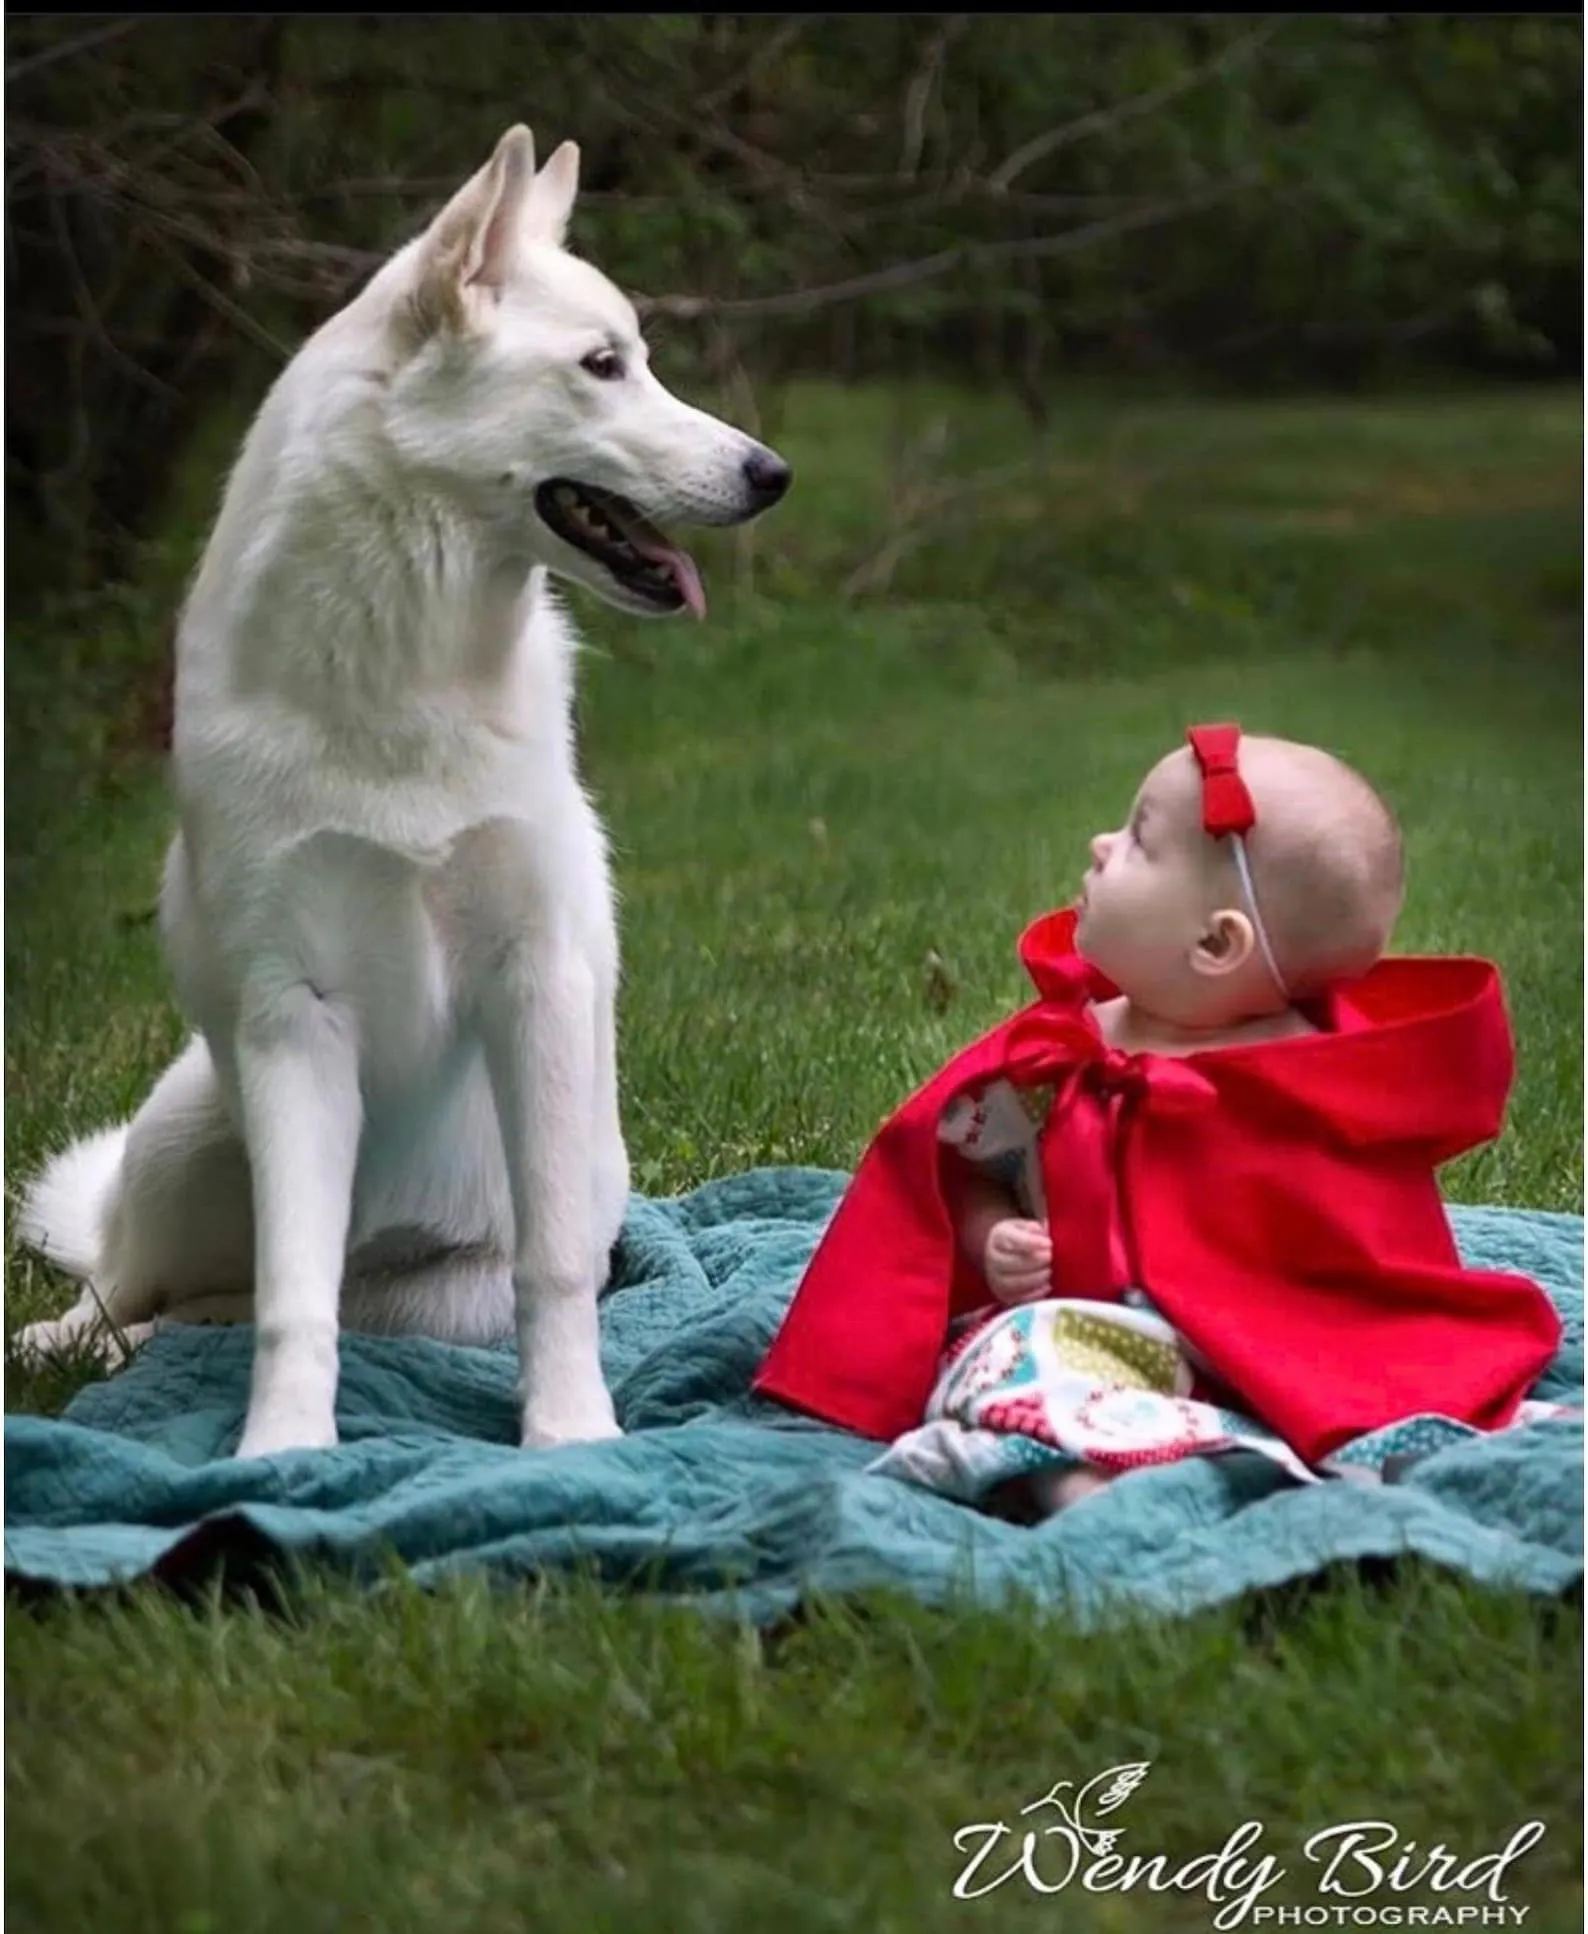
1196	1175
1214	938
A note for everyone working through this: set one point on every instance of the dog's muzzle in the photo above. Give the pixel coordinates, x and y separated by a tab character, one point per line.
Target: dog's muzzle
641	560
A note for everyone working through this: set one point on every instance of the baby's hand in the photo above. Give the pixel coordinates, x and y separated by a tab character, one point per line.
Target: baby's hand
1018	1259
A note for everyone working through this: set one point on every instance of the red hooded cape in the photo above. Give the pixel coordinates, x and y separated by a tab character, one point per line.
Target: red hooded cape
1277	1202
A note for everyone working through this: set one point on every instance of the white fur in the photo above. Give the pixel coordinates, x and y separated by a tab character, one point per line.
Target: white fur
65	1211
388	910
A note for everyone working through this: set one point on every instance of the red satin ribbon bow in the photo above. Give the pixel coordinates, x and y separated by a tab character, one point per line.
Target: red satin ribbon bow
1079	1140
1226	804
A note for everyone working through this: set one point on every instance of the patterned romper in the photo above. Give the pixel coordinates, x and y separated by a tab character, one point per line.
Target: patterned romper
1069	1380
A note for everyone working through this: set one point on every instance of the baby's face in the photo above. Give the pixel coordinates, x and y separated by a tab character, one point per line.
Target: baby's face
1153	883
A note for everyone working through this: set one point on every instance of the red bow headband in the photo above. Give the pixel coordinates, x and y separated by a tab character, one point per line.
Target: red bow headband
1226	804
1228	813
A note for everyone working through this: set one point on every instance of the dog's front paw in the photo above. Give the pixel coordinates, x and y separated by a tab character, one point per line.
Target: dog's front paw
567	1419
288	1430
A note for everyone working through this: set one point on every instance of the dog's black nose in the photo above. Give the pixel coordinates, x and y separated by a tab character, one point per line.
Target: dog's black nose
767	475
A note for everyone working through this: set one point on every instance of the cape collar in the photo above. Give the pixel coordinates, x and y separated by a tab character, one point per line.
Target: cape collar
1418	1050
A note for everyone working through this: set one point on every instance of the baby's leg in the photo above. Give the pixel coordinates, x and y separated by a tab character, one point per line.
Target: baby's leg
1059	1486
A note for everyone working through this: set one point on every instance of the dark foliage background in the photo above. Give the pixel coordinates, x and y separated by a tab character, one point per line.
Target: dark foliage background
1247	201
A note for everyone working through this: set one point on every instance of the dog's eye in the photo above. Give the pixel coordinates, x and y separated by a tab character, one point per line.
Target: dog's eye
604	364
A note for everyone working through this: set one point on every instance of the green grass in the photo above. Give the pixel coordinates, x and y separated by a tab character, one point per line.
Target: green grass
571	1762
810	797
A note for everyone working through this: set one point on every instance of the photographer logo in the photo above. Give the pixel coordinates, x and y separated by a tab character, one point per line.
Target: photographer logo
1361	1869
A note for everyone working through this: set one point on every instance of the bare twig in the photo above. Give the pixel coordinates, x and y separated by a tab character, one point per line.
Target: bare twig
919	505
79	44
919	93
730	365
1042	145
902	275
771	49
254	330
91	319
801	301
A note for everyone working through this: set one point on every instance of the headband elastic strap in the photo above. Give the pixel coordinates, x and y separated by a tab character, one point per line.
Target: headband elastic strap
1228	813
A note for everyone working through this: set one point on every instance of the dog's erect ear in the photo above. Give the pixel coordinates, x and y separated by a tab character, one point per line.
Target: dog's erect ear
551	196
473	242
510	175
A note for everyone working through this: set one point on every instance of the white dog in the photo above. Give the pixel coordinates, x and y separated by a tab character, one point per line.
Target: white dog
388	911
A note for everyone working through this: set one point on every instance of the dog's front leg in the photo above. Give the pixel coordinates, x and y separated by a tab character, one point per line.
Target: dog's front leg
538	1025
297	1067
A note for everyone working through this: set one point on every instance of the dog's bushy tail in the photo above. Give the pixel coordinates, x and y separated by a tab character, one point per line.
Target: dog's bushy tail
65	1213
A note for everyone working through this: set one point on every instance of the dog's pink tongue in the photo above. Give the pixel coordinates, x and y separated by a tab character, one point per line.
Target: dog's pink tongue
680	563
687	578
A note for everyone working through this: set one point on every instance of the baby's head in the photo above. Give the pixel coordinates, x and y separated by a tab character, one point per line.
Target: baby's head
1167	915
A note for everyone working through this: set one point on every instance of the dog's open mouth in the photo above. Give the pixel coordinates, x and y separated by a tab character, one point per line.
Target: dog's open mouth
609	529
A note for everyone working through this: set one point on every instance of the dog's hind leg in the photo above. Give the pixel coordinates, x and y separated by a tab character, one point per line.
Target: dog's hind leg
182	1223
459	1296
150	1214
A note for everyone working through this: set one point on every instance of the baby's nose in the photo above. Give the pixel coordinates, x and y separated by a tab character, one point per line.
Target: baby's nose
1100	845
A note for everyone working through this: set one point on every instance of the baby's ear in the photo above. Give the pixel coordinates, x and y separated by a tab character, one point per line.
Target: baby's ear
1224	945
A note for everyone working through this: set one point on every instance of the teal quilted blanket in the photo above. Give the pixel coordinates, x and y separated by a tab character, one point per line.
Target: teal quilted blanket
717	1498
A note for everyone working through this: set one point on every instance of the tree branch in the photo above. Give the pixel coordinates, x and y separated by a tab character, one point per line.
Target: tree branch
927	268
919	93
771	49
1042	145
79	44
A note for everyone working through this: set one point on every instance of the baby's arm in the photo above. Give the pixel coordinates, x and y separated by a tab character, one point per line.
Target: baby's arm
1012	1252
